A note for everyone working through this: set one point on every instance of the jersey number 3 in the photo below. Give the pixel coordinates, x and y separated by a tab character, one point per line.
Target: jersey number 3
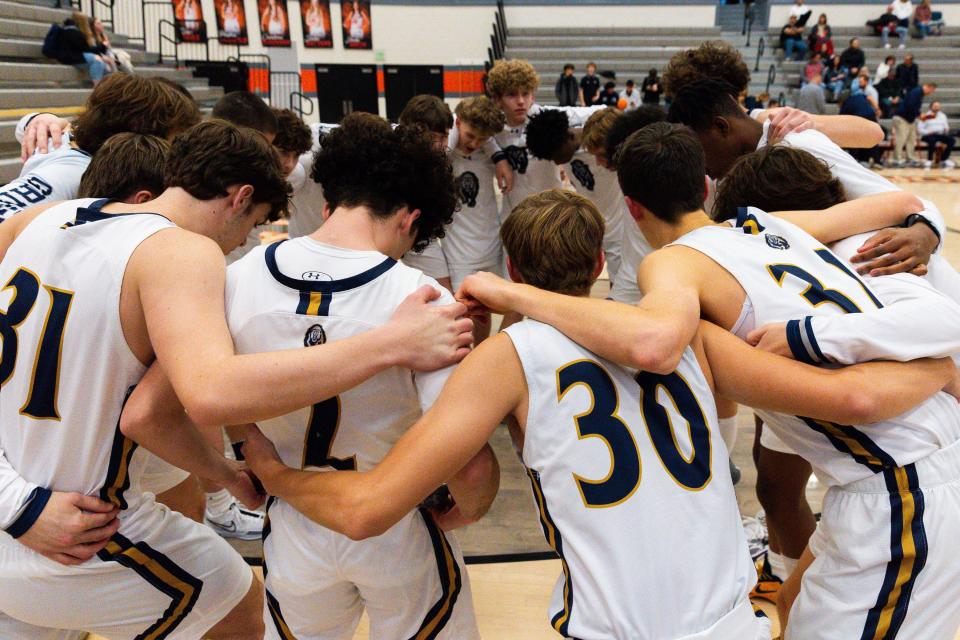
41	400
601	421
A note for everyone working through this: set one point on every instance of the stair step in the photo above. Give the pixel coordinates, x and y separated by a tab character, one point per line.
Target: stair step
23	11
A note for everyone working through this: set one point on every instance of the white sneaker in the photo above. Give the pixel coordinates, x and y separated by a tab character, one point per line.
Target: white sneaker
927	164
236	522
901	46
948	164
886	46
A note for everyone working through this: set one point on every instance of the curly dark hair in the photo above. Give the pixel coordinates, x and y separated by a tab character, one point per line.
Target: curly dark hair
364	162
429	112
214	155
546	133
293	134
777	178
628	123
713	59
701	102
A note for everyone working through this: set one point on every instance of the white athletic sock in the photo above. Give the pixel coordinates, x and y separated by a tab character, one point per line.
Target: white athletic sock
219	501
728	431
780	565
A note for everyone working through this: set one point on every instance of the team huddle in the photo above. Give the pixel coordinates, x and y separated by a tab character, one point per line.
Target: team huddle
752	262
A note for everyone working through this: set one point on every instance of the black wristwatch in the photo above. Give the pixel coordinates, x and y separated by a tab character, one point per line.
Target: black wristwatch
914	218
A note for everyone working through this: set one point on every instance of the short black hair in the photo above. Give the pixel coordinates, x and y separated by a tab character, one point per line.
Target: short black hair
546	133
628	123
364	162
662	167
630	83
246	109
568	66
700	102
428	112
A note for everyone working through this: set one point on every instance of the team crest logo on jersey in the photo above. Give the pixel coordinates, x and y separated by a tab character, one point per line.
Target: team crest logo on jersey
776	242
316	276
469	186
517	157
582	173
315	335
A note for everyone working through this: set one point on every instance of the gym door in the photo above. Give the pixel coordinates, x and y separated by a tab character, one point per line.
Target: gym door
345	88
402	82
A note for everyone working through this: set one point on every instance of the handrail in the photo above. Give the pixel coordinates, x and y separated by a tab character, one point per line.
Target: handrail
761	46
771	76
161	38
782	99
301	98
498	38
749	13
106	20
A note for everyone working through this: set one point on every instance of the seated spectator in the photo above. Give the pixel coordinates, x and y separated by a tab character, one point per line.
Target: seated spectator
631	95
77	46
908	74
934	129
609	97
812	98
762	99
773	103
904	122
813	69
889	92
567	89
926	21
883	68
862	87
858	105
652	88
852	58
834	78
801	12
116	59
590	86
903	10
820	39
791	40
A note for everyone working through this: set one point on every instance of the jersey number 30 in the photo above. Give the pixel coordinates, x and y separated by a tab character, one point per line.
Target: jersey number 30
42	398
692	473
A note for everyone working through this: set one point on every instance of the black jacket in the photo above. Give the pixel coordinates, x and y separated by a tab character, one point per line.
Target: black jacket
567	91
852	58
72	45
908	77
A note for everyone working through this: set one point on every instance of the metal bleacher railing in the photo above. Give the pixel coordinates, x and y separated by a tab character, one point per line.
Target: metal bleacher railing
498	39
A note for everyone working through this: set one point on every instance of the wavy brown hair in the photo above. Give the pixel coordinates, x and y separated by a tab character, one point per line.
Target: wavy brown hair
713	59
122	102
512	76
125	164
293	134
481	113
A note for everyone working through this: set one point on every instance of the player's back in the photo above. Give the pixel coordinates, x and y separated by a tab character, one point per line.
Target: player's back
788	275
66	366
630	477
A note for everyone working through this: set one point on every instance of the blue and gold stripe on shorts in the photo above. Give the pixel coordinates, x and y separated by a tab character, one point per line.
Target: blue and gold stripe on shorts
908	554
451	581
118	468
160	572
273	606
853	442
561	620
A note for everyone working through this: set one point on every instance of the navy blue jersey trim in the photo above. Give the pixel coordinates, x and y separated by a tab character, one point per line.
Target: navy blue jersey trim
332	286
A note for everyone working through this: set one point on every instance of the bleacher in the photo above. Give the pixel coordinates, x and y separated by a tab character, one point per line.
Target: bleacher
31	82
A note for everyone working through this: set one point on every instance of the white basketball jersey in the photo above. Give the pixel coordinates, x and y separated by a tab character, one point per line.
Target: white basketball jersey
601	187
66	368
629	474
45	177
635	249
788	275
530	175
473	238
301	293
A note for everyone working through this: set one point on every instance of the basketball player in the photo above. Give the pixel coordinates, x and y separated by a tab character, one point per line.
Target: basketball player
294	138
767	270
121	102
604	509
550	137
129	168
161	573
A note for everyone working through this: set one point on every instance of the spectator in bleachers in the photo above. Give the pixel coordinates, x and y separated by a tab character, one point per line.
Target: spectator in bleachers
852	59
908	74
820	39
791	39
934	129
834	78
590	86
610	97
883	68
812	98
904	123
78	47
926	22
889	92
859	105
567	89
813	69
652	88
801	12
903	10
862	87
631	95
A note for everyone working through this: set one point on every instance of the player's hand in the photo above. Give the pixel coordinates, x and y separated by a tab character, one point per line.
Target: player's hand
72	528
485	291
896	250
504	175
241	485
771	338
44	128
430	337
450	519
784	120
260	454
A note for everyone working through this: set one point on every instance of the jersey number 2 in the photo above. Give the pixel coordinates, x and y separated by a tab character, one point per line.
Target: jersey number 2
321	430
42	398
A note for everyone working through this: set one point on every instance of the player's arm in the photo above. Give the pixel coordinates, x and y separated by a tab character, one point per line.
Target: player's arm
650	336
861	394
855	216
849	132
917	321
473	489
440	444
155	419
179	278
890	250
501	166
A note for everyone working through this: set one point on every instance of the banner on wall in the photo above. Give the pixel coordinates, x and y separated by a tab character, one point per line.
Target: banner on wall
315	18
188	21
274	23
357	27
231	22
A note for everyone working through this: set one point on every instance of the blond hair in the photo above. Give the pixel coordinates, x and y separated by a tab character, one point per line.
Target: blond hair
553	239
596	128
481	113
512	76
82	22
